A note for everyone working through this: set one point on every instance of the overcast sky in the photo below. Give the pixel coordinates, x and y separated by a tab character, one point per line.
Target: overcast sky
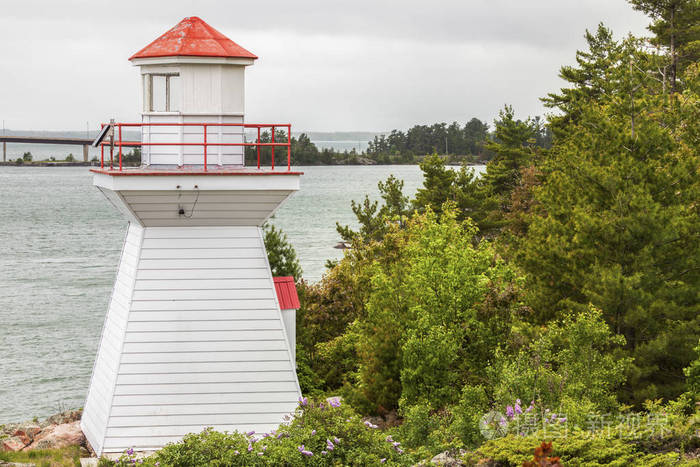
324	65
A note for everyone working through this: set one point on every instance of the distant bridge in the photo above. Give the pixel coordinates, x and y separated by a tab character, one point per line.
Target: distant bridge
84	142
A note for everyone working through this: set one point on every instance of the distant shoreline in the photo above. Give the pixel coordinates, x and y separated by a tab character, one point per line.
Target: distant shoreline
97	164
49	164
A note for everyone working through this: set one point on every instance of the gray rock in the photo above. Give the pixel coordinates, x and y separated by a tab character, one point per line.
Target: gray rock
448	459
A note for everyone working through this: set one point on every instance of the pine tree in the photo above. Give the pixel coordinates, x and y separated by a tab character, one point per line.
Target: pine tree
617	222
280	253
676	25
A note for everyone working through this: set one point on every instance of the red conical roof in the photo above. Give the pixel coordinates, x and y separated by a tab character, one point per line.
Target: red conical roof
193	37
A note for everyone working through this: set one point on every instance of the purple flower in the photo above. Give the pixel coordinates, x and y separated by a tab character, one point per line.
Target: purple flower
562	420
250	447
250	433
396	444
399	450
130	451
323	453
330	445
236	453
509	411
389	439
517	401
502	422
369	424
336	440
382	460
334	401
307	453
280	435
303	401
518	409
313	432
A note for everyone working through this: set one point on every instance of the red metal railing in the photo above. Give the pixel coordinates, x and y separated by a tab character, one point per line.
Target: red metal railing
120	143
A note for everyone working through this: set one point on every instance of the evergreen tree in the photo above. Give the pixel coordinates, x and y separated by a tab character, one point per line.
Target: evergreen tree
617	221
676	25
280	253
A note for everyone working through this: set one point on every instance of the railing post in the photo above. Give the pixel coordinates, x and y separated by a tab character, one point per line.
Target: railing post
289	147
273	147
205	146
257	146
102	151
120	147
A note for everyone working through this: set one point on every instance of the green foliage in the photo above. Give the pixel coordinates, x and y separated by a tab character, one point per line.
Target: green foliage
571	367
374	220
426	330
280	253
692	373
27	157
318	435
616	219
676	26
655	438
473	404
70	158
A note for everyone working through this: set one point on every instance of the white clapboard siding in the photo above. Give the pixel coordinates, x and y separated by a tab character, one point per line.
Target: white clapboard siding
196	340
105	372
204	351
178	154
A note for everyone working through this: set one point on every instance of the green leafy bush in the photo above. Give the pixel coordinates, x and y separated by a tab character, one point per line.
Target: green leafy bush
572	368
692	373
319	434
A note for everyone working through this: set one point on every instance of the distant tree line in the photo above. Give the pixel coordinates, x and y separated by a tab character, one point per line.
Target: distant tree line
460	143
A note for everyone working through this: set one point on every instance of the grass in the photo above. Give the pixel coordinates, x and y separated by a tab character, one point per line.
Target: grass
64	457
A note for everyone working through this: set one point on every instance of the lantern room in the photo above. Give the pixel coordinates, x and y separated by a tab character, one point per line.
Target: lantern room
192	74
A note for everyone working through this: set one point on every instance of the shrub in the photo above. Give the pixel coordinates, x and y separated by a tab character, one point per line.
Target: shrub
692	374
572	367
427	331
319	434
657	437
472	406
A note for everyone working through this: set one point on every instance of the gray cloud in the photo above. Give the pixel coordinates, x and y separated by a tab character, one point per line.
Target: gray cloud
365	65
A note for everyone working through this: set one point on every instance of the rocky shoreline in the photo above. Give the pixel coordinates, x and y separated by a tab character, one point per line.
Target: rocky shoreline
57	431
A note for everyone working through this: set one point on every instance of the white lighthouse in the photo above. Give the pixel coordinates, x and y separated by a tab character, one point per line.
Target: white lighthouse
194	335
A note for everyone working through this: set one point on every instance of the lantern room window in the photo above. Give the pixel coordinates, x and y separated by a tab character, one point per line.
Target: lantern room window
161	92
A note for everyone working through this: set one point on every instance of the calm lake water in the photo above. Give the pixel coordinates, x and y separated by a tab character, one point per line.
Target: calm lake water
59	246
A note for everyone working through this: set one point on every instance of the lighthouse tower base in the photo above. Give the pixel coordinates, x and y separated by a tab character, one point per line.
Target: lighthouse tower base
194	336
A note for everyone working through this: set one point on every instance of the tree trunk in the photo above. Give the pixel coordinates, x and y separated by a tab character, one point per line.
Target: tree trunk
674	55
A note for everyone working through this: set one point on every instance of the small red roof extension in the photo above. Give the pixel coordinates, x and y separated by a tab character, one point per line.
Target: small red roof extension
193	37
286	293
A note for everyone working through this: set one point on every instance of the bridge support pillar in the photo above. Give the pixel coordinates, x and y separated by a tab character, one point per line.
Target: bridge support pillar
4	151
85	152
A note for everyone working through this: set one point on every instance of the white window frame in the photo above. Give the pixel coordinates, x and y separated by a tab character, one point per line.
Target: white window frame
148	91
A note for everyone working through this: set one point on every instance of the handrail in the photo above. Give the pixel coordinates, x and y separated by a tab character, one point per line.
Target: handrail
205	143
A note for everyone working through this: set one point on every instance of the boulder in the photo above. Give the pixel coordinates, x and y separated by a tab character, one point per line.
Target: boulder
64	417
448	459
27	432
12	443
59	436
